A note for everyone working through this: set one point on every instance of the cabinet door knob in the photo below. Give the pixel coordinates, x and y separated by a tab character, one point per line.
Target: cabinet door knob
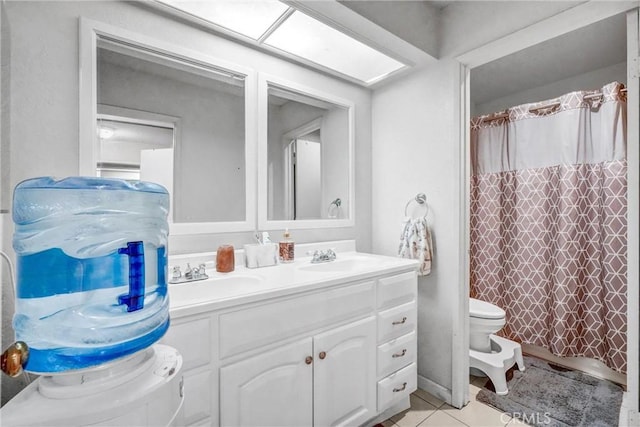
308	360
404	385
322	355
400	322
400	354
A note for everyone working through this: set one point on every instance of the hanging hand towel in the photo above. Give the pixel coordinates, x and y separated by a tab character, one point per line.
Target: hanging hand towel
415	243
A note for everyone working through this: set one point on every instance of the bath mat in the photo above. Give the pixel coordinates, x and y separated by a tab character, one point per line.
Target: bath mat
549	396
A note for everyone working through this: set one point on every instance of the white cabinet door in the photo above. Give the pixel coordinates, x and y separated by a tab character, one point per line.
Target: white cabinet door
345	374
194	338
271	389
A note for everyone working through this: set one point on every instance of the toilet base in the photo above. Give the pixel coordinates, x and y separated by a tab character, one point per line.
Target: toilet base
496	364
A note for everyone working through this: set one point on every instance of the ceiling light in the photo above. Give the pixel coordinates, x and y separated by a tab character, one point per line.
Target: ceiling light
251	18
317	42
279	27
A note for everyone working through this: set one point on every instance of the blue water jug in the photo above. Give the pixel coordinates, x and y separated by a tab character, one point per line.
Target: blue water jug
91	269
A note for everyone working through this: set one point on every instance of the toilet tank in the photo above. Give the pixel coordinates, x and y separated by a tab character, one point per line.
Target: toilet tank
91	259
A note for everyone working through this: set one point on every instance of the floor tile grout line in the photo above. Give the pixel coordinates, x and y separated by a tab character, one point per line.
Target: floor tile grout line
445	414
451	415
428	416
480	403
424	400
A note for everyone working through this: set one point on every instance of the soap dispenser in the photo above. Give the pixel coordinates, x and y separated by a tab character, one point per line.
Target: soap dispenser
286	248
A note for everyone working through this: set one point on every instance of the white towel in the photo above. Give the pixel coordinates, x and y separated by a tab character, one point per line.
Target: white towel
415	243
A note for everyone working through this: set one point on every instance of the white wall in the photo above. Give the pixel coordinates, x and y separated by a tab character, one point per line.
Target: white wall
586	81
415	149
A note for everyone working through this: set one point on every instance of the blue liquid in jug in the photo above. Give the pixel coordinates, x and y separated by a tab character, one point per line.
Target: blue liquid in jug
83	323
74	293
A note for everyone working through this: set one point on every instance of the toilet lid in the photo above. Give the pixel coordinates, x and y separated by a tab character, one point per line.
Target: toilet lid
484	310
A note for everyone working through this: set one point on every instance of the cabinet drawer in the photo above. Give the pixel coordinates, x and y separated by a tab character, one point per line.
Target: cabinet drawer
257	326
396	321
397	386
397	290
192	338
396	354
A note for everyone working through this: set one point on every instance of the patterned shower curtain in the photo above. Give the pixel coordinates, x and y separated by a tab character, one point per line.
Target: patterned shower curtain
548	222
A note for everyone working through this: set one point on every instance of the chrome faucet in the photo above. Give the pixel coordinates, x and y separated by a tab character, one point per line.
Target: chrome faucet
190	274
323	256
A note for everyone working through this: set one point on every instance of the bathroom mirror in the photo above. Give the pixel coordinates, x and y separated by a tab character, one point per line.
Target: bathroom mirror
160	113
305	157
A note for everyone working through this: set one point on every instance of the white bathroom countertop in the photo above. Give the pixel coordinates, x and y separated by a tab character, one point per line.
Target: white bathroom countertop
246	285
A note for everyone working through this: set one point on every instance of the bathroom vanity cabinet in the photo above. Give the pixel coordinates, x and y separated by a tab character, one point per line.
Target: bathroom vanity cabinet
326	379
341	353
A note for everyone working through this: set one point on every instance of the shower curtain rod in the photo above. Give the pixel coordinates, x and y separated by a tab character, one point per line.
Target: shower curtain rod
545	106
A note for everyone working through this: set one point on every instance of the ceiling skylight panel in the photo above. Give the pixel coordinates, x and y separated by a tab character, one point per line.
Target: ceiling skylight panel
312	40
248	17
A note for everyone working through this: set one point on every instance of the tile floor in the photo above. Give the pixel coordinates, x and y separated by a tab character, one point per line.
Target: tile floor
429	411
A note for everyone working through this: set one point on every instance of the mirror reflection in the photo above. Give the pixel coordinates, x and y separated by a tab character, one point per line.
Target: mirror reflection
175	122
123	142
308	157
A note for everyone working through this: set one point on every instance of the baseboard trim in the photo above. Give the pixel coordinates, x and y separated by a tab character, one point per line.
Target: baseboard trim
593	367
628	417
435	389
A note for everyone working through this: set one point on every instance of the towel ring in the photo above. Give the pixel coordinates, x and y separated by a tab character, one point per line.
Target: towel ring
420	199
334	208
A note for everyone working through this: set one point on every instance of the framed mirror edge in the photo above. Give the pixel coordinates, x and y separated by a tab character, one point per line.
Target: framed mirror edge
90	32
187	228
302	224
265	81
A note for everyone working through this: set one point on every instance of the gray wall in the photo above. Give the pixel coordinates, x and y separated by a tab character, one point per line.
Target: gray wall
283	119
465	25
335	168
586	81
211	144
335	160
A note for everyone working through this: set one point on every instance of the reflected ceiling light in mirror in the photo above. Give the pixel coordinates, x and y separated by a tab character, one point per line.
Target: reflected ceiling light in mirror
105	132
317	42
251	18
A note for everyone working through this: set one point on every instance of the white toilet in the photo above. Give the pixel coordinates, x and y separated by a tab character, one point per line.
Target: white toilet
489	353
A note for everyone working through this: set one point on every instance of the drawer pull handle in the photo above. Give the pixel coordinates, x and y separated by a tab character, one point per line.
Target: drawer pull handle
400	322
308	360
322	355
404	385
402	353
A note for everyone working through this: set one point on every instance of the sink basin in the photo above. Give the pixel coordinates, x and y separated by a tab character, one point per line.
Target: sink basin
341	265
213	288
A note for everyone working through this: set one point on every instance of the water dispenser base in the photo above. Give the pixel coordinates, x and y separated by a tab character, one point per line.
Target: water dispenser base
143	389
